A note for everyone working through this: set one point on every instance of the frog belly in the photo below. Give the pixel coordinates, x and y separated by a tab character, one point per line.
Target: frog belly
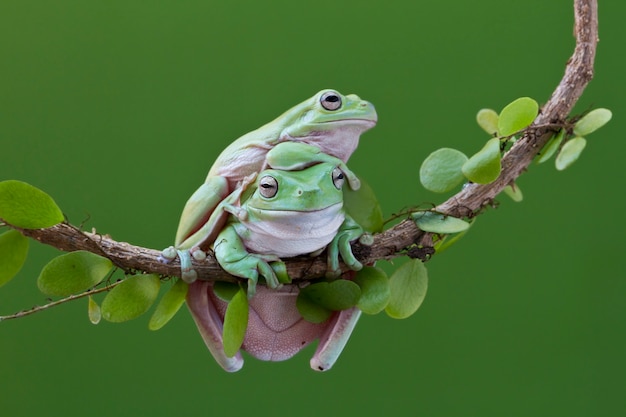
291	233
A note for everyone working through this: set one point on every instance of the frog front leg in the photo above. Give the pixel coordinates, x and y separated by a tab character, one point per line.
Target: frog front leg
294	156
233	257
340	245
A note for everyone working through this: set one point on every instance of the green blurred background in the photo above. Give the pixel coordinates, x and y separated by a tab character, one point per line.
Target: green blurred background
118	108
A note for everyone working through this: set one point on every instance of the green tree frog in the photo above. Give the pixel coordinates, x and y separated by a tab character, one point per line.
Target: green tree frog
286	213
324	128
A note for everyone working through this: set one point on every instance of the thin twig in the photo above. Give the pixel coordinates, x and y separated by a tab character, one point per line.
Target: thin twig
37	309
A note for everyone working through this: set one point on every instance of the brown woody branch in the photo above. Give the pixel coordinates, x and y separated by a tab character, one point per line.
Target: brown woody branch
398	240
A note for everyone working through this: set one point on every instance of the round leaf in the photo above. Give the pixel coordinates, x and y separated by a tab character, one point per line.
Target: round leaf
570	152
592	121
27	207
93	310
72	273
169	305
13	251
450	240
441	170
432	222
551	147
336	295
517	115
514	193
487	119
310	310
131	298
375	290
408	289
484	166
362	205
235	323
225	291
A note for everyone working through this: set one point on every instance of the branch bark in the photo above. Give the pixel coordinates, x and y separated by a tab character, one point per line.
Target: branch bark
395	241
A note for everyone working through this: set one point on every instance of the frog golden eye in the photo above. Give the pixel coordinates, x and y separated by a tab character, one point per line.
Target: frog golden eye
330	100
268	186
338	178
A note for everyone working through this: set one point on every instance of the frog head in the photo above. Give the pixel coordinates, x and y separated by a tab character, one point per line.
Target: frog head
330	121
312	189
293	212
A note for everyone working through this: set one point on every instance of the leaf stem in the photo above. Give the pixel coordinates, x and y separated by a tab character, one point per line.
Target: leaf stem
37	309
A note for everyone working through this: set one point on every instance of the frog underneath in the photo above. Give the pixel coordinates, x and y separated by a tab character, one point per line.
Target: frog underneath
287	213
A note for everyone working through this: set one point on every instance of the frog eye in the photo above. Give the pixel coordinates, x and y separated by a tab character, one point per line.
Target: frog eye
338	178
268	186
330	100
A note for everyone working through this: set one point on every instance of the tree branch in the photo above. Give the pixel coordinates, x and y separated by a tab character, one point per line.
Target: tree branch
397	240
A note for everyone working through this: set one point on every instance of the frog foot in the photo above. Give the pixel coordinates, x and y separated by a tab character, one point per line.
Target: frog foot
250	267
188	274
353	181
366	239
167	255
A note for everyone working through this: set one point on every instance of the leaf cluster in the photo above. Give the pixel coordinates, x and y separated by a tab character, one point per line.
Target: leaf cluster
444	169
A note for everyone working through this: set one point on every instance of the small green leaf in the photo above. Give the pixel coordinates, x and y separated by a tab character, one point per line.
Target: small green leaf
131	298
375	290
27	207
408	289
336	295
570	152
433	222
169	305
450	240
517	115
514	193
362	205
310	310
72	273
13	251
592	121
484	166
93	310
235	323
487	119
551	147
441	170
225	291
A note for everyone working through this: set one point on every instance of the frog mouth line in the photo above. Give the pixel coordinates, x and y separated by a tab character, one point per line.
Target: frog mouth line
291	212
353	119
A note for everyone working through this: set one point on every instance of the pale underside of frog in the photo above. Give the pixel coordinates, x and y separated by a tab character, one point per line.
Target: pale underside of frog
286	213
324	128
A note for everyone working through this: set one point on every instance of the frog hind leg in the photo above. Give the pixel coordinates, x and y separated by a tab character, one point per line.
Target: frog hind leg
334	339
210	324
209	211
198	212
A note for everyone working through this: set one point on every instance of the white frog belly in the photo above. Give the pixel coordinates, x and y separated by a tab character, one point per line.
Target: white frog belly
290	233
